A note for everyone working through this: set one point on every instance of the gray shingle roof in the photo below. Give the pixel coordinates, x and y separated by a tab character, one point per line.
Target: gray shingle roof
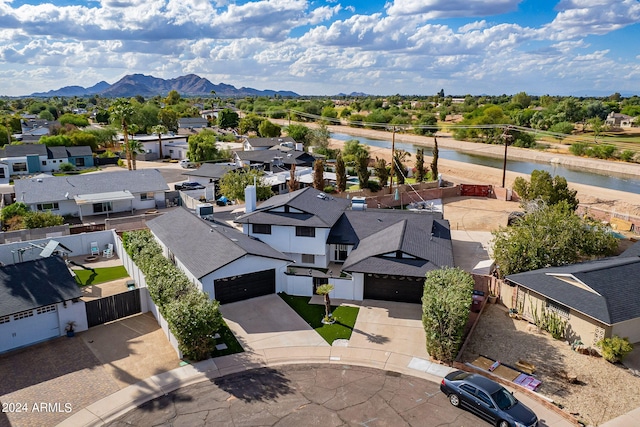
22	150
316	211
634	250
266	156
269	142
32	284
212	170
420	242
60	187
614	281
57	152
79	150
204	247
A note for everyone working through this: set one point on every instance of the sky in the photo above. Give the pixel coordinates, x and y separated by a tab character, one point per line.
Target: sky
326	47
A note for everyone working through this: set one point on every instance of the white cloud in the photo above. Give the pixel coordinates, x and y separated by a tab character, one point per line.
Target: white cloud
579	18
451	8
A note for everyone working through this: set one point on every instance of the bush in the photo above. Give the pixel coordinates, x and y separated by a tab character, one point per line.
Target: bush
42	219
374	186
615	348
627	155
15	209
578	149
329	189
66	167
192	317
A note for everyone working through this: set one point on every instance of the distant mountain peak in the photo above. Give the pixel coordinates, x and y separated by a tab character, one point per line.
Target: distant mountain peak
149	86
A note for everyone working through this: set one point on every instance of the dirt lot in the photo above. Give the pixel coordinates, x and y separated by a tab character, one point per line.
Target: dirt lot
603	391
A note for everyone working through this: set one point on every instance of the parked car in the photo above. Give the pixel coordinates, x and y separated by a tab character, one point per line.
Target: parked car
189	186
187	164
487	399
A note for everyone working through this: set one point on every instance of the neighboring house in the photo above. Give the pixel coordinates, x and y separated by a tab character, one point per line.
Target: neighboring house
192	122
228	265
273	158
24	159
257	144
598	299
37	299
4	173
386	253
173	146
210	172
94	193
618	120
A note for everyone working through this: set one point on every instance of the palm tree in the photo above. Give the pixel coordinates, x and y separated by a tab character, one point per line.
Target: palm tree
325	290
134	148
159	130
121	113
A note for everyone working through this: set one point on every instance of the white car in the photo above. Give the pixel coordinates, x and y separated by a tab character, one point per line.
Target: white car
187	164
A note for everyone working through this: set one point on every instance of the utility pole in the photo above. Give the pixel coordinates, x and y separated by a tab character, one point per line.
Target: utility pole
393	152
506	136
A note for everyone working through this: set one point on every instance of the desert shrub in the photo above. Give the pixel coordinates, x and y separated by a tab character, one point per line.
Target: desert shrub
615	348
66	167
578	149
627	155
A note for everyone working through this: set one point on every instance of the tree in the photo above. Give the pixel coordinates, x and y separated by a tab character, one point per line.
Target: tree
5	136
74	119
293	183
55	141
420	172
400	171
446	303
250	123
300	133
543	187
382	171
233	184
426	125
351	149
341	174
169	119
121	113
597	126
434	161
159	130
324	290
362	169
104	136
42	219
195	319
318	174
319	137
550	236
12	210
172	98
267	129
202	146
82	138
134	147
228	118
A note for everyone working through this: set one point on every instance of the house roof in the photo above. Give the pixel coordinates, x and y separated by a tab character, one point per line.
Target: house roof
212	170
204	247
394	242
79	151
299	208
57	152
607	290
21	150
267	156
32	284
59	188
633	251
269	142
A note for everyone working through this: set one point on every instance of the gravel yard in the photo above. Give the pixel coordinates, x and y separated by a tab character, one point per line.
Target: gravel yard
603	391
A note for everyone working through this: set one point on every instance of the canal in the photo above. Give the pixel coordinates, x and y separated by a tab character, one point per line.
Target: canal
580	176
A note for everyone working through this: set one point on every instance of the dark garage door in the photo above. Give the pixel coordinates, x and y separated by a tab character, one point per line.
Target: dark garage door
393	288
238	288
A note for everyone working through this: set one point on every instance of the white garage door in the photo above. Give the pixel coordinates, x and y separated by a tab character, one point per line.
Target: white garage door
28	327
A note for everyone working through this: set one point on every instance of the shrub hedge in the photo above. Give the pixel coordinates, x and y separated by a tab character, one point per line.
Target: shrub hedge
192	317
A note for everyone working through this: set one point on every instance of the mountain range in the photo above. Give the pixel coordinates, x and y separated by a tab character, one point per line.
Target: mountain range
149	86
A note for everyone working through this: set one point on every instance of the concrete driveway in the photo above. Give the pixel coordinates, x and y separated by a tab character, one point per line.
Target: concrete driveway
268	322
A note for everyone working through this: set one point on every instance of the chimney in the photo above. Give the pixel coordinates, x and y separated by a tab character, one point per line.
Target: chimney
299	146
250	198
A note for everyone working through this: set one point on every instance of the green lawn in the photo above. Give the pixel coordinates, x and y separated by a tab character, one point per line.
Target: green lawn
100	275
227	337
313	313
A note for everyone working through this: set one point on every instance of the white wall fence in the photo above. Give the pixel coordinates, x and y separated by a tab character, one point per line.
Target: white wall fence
145	299
303	286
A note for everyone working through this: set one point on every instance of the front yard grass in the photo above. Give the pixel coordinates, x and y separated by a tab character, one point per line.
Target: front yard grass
227	337
100	275
313	313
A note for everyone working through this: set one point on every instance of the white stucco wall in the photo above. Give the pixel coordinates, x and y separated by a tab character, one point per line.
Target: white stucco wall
74	311
629	329
284	239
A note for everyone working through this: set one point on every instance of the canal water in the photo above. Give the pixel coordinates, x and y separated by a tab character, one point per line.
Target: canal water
579	176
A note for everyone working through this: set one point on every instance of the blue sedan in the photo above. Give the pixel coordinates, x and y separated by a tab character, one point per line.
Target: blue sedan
487	399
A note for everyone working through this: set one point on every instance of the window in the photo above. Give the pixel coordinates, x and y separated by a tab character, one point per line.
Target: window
469	389
23	315
46	309
305	232
44	163
5	319
340	252
146	196
2	174
559	309
48	206
261	228
308	259
484	398
80	161
102	207
20	167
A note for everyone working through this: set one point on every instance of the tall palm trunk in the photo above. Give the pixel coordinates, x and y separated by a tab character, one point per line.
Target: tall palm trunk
127	152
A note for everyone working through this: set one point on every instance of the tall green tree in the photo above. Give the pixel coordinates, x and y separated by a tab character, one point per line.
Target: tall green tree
351	149
319	137
268	129
382	171
121	113
250	123
446	303
362	169
202	146
228	118
300	133
169	119
400	171
341	174
233	183
434	160
134	147
420	172
318	174
159	130
550	190
550	236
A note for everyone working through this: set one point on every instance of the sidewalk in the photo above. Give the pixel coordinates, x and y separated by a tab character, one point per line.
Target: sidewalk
119	403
